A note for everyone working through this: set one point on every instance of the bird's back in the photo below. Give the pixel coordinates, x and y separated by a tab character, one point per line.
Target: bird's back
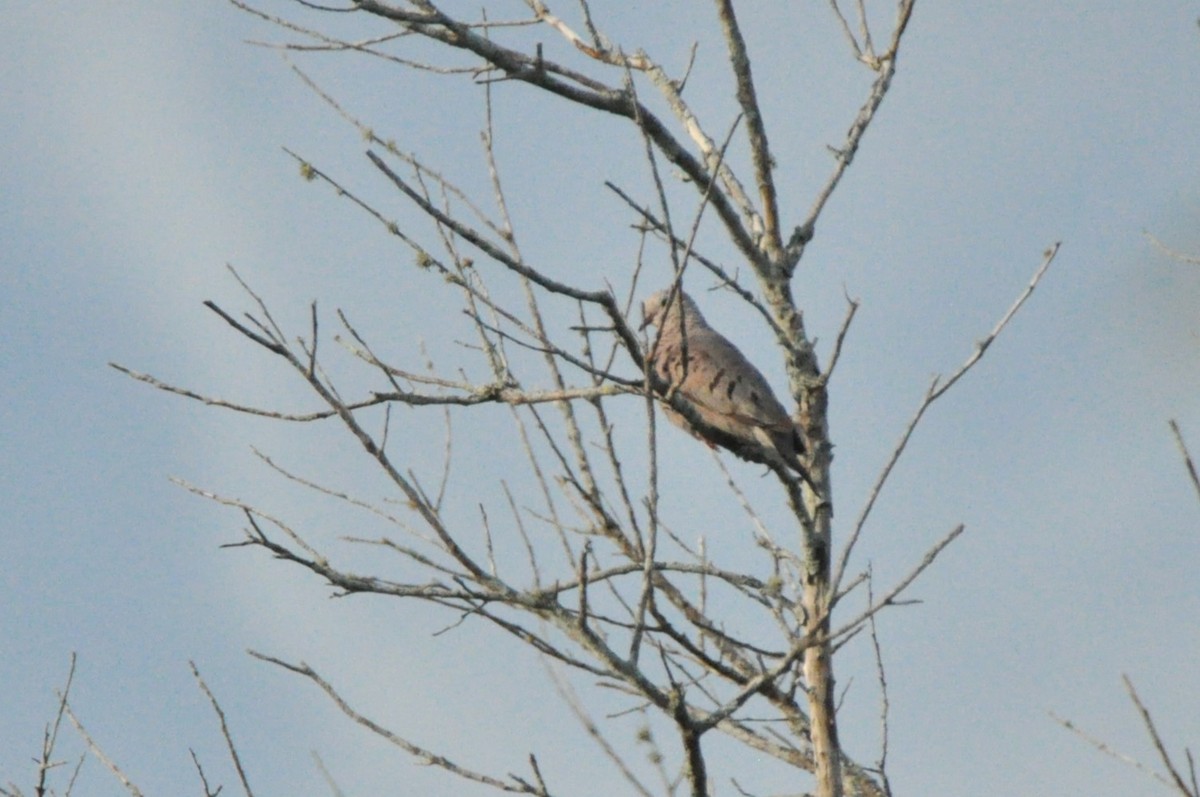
718	379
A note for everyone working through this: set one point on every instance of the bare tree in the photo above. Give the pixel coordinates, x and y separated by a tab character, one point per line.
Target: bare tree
606	588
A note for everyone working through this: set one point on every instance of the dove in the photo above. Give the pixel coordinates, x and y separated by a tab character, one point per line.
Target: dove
716	380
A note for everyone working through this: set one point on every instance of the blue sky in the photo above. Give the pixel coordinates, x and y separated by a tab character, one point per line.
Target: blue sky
141	153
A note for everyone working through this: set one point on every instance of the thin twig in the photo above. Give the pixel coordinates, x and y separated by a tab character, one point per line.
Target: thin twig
885	65
45	761
1177	778
563	687
1171	253
1107	750
420	753
884	703
937	389
889	598
756	131
208	792
851	309
1187	456
233	753
96	751
327	776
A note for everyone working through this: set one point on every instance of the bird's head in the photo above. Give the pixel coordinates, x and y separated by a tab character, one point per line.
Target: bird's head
656	311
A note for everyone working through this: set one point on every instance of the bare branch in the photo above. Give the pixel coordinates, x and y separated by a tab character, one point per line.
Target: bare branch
981	346
129	785
418	166
889	598
1103	747
233	753
1176	777
851	309
563	687
756	684
423	755
1187	456
578	88
602	54
1174	254
208	792
885	66
884	703
327	776
937	388
841	18
760	152
602	298
46	759
723	276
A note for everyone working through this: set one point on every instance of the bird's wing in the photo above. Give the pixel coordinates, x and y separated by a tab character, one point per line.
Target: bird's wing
724	386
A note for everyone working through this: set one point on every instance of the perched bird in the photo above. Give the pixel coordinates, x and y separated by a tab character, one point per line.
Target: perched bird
717	381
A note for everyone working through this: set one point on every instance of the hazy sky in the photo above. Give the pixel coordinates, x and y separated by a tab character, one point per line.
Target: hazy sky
141	153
